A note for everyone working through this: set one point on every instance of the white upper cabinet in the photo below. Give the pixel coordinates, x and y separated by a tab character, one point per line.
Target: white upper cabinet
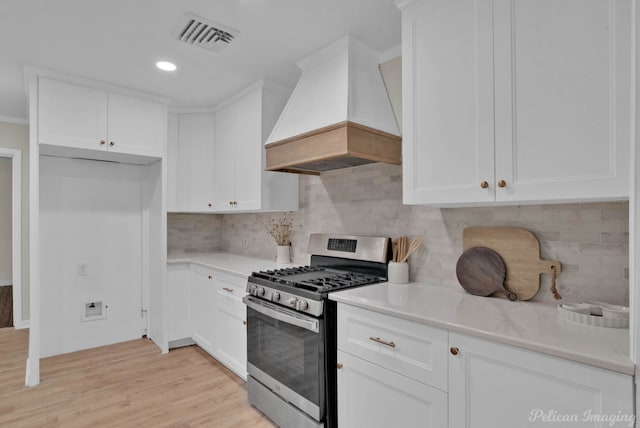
136	126
242	125
76	117
195	162
516	101
71	115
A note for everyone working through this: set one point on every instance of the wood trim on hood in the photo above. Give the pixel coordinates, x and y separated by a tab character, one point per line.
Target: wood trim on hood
341	145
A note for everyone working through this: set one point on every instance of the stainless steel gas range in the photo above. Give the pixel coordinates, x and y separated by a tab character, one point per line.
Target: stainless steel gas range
291	328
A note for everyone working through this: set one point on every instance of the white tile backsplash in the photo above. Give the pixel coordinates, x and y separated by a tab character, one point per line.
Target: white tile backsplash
591	240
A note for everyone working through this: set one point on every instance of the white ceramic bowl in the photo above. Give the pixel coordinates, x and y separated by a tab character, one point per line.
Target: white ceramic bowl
596	307
615	311
581	308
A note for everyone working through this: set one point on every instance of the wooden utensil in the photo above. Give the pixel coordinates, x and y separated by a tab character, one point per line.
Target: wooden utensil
415	244
520	250
481	271
394	250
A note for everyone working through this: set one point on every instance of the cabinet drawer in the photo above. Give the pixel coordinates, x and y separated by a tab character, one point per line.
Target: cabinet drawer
409	348
230	288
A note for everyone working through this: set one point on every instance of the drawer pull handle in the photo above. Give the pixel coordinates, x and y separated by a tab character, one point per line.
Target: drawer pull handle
454	350
377	339
230	290
339	366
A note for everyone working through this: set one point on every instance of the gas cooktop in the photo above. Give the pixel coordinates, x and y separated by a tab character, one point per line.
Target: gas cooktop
316	279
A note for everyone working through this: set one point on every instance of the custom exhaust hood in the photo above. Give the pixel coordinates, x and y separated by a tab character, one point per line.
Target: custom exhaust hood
338	115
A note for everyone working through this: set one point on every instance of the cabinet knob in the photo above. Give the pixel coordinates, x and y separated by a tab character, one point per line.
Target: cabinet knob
209	204
484	184
339	366
502	183
230	202
244	322
102	142
454	350
235	202
111	143
210	276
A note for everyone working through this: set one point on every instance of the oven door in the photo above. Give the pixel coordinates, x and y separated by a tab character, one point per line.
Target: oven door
285	352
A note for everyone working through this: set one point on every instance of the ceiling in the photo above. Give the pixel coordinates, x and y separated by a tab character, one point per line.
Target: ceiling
119	41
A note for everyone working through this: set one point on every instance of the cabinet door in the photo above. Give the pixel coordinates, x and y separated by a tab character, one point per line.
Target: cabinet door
195	162
231	321
136	126
203	308
248	151
370	396
224	160
493	385
447	79
178	294
173	176
563	88
71	115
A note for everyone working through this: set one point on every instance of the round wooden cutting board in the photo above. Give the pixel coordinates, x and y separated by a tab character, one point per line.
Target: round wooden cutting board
481	271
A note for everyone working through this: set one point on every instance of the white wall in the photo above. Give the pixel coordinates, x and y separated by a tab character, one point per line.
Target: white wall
90	213
16	136
392	75
5	222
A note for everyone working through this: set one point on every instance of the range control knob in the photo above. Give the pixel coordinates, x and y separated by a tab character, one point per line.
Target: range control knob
302	305
260	291
252	290
275	296
292	302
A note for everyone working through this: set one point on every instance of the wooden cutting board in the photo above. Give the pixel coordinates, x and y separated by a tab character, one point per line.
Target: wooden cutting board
520	250
481	271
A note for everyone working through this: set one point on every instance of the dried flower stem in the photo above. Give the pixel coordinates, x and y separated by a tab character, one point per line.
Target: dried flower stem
280	228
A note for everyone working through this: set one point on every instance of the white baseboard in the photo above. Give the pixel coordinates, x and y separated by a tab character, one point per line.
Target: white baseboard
4	282
18	325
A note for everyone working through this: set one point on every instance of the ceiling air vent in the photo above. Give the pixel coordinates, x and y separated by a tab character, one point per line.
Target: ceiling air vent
198	31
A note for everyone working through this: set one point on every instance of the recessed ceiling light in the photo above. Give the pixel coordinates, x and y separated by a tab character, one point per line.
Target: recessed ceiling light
166	66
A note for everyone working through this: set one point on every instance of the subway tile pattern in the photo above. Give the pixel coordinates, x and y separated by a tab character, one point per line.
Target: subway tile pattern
590	240
193	233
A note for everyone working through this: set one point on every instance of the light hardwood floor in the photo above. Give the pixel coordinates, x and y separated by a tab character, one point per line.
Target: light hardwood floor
124	385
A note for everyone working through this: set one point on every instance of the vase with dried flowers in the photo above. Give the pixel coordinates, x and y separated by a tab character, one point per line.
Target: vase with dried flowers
280	229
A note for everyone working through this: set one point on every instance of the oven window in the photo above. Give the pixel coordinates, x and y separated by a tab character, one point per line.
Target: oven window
291	355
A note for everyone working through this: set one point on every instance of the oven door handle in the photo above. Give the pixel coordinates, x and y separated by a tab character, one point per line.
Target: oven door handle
282	315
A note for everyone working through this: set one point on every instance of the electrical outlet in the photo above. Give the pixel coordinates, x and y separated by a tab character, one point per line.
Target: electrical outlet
83	269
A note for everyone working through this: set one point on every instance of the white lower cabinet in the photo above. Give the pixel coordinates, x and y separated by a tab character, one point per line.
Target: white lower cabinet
231	323
499	386
203	295
205	305
390	373
178	285
370	396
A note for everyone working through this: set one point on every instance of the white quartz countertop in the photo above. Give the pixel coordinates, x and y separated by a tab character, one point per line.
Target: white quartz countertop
227	262
530	325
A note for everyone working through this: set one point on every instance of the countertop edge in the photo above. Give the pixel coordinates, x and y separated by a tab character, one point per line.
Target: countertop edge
625	369
209	265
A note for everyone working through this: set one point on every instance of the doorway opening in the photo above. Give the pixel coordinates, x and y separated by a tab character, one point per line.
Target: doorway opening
10	239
